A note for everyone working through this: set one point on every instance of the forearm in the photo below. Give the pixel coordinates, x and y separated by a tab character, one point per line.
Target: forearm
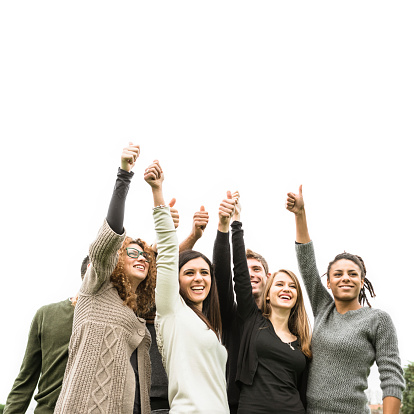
116	210
158	196
391	405
222	268
242	286
302	233
188	243
167	289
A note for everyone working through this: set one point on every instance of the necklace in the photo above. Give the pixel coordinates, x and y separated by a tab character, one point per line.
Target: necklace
290	344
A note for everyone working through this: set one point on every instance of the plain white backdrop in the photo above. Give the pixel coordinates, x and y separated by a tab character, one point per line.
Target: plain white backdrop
258	97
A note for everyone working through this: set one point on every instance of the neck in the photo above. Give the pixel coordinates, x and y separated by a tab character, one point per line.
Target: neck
345	306
134	284
280	319
259	301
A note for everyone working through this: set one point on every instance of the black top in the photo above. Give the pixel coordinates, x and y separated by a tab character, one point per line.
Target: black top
257	338
231	324
275	384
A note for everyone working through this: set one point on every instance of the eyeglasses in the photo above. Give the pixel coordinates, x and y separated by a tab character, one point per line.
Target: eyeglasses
135	253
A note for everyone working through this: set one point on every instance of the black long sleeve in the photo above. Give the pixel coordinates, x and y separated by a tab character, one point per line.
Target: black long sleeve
222	268
116	210
246	305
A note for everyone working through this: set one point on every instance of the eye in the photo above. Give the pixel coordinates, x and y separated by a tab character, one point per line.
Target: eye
205	272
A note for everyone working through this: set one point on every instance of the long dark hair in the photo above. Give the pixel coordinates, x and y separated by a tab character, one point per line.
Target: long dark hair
211	306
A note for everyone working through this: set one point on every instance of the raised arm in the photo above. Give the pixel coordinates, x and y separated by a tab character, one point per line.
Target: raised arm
246	304
103	251
200	221
318	295
296	205
176	219
167	289
222	261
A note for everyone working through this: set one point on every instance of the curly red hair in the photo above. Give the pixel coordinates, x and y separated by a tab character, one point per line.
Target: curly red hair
143	299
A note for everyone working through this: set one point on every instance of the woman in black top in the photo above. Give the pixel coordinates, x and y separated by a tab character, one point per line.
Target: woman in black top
275	340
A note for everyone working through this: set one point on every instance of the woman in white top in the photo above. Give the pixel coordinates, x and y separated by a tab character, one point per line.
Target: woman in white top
188	320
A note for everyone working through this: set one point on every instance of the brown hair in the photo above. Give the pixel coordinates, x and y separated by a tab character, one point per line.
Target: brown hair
211	306
298	322
250	254
362	298
142	300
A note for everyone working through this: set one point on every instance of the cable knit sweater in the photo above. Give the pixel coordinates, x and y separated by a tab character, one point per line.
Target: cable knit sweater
99	377
193	357
344	347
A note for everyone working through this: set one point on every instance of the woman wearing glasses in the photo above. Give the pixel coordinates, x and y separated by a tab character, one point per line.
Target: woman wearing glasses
108	369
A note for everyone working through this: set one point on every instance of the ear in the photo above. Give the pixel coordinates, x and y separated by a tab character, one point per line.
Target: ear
328	283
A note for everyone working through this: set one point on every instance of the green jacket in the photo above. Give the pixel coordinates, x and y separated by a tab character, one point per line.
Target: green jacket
45	357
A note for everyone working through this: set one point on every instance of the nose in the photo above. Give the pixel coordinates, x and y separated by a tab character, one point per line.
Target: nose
197	276
141	258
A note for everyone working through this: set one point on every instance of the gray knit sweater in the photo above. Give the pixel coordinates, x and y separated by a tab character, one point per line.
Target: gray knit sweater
345	347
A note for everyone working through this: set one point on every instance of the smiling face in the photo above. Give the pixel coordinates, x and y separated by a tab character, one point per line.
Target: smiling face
283	292
258	277
195	281
135	268
345	281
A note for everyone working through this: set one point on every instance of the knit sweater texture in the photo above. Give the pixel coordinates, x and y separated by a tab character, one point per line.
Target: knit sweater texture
99	377
344	347
45	357
193	357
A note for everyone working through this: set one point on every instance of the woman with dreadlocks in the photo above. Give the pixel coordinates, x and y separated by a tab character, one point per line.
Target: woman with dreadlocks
347	337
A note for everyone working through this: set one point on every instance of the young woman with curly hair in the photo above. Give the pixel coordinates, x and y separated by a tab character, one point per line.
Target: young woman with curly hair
348	337
188	319
108	369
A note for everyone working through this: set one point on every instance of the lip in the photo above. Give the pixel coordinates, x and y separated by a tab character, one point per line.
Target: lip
345	287
287	296
139	266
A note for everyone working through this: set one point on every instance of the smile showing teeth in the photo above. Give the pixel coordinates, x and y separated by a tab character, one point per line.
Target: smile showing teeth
140	267
285	297
197	288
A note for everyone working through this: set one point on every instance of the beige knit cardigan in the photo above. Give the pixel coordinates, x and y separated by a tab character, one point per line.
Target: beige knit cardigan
99	377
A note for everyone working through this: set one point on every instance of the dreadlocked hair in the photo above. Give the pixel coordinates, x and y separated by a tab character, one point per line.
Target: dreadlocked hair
143	299
362	298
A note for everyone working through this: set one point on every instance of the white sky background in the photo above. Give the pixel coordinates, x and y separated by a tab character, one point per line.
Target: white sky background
255	96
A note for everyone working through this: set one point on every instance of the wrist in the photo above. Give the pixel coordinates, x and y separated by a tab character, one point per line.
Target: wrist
300	213
223	227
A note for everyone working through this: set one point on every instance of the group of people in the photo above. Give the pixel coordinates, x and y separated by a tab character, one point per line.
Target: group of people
160	328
